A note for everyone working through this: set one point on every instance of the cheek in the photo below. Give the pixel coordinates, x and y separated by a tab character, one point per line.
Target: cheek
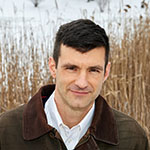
97	80
97	84
62	80
66	78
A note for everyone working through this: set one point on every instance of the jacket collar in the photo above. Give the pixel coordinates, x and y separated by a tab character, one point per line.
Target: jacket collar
103	127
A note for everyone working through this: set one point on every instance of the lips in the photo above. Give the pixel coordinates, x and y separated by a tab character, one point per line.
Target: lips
76	90
80	92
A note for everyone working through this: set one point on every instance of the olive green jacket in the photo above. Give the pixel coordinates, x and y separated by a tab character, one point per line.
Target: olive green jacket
26	128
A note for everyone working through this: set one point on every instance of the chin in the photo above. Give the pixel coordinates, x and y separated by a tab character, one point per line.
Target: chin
79	106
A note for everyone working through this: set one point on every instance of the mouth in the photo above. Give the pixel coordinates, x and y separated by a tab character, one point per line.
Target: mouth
80	93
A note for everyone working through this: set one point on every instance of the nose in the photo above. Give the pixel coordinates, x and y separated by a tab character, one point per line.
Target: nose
81	81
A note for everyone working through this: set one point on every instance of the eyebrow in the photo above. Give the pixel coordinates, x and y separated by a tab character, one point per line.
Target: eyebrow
90	67
69	65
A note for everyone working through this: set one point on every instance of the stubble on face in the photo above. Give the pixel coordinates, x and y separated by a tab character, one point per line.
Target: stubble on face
79	78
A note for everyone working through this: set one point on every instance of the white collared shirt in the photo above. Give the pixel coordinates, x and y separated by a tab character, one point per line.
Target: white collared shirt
71	136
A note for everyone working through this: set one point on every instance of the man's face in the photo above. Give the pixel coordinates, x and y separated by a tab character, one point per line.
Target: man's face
79	77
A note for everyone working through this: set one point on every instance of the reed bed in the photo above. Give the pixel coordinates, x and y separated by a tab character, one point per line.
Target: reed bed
24	68
128	87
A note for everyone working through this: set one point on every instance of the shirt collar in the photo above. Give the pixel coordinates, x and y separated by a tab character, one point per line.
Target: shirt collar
52	114
86	121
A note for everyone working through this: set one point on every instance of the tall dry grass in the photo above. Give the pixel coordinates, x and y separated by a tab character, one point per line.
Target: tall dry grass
24	67
128	87
23	64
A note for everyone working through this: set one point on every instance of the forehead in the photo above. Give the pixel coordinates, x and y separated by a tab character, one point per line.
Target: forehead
95	56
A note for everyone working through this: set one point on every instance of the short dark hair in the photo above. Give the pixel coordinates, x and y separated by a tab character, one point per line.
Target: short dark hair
83	35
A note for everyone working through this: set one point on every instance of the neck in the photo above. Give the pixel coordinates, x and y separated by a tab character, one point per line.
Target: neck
71	117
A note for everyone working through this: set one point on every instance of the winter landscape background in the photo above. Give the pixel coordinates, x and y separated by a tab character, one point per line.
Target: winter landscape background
26	41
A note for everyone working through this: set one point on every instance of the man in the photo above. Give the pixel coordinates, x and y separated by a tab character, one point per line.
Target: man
71	114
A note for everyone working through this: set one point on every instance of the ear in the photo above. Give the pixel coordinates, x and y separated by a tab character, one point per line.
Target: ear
106	75
52	67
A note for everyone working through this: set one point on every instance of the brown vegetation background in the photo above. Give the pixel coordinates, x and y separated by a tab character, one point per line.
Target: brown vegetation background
24	68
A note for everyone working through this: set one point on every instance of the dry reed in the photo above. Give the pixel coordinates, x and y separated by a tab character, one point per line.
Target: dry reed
128	87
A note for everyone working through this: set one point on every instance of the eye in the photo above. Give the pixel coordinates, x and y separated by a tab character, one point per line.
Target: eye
94	70
71	68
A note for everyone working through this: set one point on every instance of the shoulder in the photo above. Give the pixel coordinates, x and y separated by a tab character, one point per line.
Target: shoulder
129	130
12	117
11	128
123	118
126	122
